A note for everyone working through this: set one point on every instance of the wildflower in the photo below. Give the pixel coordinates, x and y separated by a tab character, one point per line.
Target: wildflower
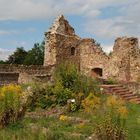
29	88
63	118
120	102
101	89
81	125
90	102
111	101
123	112
73	100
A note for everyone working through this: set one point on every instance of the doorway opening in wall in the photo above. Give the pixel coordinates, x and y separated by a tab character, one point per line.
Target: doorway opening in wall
97	72
72	51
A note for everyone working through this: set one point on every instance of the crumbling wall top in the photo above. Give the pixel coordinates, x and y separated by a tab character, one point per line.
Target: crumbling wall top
61	26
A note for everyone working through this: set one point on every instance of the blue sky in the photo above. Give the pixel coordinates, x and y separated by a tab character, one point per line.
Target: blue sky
23	22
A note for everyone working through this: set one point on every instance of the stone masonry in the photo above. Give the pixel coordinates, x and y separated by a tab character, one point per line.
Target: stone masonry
62	44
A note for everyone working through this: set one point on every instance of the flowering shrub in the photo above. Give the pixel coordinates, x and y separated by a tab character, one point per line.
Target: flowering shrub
10	104
90	103
113	116
45	96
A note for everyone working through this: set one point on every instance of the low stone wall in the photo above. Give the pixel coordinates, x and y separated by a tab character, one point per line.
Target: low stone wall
6	78
24	74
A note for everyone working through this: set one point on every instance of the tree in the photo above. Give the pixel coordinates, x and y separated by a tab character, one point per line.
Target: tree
18	56
35	56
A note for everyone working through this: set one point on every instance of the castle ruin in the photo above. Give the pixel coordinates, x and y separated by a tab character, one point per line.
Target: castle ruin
61	43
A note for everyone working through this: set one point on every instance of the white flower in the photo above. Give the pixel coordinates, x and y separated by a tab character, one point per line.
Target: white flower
73	100
29	88
101	89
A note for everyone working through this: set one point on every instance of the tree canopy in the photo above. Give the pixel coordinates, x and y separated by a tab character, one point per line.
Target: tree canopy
35	56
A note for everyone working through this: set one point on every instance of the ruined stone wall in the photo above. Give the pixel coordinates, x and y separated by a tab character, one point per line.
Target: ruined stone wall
64	49
91	56
23	74
59	42
59	49
124	63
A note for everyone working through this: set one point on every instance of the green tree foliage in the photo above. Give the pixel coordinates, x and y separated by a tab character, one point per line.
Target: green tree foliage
35	56
3	62
18	56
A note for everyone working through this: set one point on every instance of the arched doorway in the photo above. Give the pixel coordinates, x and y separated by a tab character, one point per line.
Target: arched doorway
97	72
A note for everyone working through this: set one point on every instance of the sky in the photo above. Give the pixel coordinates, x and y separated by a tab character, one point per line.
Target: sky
23	22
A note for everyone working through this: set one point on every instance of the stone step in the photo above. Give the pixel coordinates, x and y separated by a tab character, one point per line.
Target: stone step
121	90
110	86
123	93
130	97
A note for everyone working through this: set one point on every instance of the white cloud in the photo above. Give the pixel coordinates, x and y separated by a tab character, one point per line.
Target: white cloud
17	31
127	23
36	9
4	53
107	48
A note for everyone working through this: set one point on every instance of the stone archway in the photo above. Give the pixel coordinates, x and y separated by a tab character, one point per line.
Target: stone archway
96	72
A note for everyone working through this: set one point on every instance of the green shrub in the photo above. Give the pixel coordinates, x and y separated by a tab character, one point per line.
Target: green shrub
47	96
37	98
67	85
68	75
111	81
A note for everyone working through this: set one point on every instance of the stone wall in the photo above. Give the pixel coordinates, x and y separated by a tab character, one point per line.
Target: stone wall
91	56
61	39
124	63
8	77
24	74
61	44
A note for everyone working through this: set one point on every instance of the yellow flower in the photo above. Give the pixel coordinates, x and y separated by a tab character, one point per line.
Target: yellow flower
120	102
15	90
81	125
63	118
123	112
111	101
90	102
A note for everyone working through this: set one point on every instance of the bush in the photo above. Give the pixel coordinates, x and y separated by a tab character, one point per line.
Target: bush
67	85
37	98
11	108
90	103
68	75
111	120
44	96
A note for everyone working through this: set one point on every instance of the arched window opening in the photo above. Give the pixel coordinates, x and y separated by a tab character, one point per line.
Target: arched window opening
97	72
72	51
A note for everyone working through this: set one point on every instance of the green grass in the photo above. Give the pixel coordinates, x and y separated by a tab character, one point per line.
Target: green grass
133	126
54	129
